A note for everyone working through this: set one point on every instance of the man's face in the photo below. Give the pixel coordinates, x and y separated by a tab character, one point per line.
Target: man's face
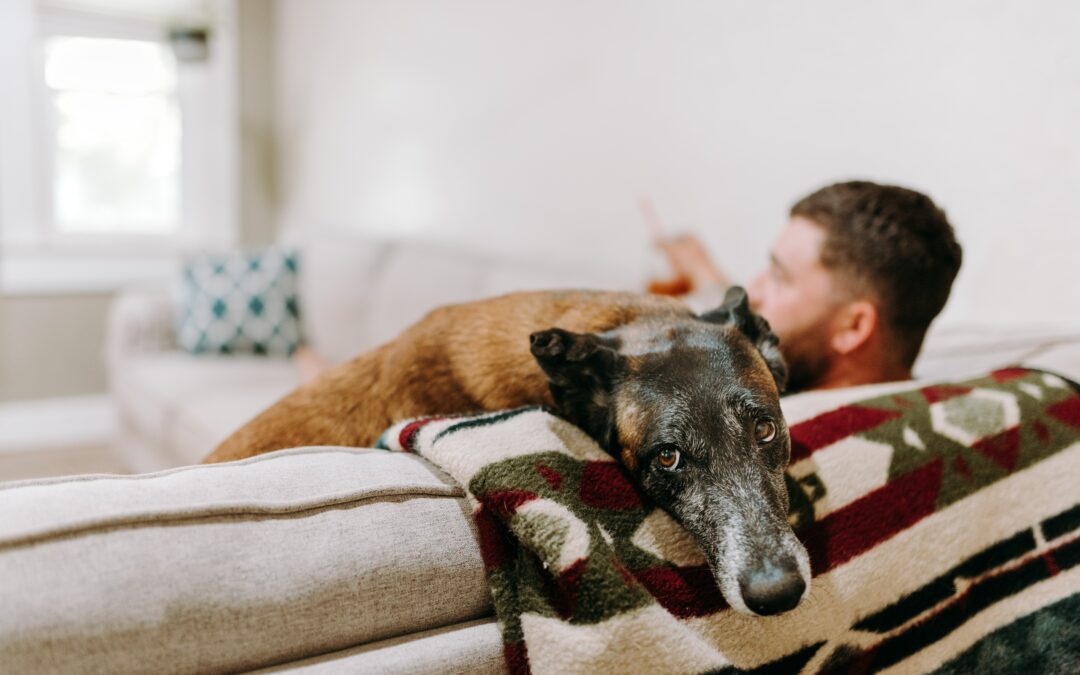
799	298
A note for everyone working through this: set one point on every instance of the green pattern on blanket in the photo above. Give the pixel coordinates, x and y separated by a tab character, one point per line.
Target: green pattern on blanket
980	430
543	537
983	430
587	576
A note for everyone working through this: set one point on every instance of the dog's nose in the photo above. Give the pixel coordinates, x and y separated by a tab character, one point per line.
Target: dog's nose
772	587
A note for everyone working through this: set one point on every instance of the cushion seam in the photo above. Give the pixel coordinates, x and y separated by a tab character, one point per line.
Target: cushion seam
224	511
288	452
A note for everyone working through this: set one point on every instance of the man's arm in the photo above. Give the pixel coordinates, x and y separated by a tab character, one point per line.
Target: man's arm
688	257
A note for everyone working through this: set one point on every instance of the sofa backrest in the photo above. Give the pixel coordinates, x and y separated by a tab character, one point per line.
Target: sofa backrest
356	293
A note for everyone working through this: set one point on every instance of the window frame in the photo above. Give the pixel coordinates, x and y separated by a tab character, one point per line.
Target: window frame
35	257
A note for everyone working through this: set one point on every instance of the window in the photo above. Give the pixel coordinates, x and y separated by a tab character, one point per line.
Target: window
115	132
115	156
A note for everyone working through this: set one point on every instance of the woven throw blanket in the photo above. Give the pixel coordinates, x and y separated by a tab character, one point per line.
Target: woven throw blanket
943	525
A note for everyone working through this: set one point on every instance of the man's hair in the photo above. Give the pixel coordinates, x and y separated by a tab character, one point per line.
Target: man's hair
894	242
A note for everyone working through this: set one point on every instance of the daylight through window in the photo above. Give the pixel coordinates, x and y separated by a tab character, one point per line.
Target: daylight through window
116	136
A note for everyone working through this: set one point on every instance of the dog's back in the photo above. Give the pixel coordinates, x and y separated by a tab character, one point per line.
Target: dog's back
457	359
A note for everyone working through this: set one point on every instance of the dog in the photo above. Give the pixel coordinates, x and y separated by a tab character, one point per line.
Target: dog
688	404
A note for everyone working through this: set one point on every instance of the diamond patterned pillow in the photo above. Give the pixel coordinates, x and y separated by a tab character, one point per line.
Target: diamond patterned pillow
241	302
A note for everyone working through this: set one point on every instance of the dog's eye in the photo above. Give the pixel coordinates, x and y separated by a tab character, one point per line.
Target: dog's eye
668	457
765	431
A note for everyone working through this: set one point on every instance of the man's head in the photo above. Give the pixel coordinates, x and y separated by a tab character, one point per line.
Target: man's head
854	281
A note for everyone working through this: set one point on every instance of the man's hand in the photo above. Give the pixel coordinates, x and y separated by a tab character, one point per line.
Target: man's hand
688	257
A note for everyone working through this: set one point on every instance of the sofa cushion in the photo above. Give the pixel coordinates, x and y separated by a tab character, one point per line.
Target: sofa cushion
956	351
202	422
413	280
188	404
508	276
335	292
232	566
357	293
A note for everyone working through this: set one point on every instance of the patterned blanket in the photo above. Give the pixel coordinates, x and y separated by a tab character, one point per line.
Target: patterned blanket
943	525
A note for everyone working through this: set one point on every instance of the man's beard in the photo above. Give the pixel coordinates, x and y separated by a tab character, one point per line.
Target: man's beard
807	357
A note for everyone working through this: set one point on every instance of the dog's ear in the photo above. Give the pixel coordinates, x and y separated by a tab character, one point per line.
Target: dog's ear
736	312
580	369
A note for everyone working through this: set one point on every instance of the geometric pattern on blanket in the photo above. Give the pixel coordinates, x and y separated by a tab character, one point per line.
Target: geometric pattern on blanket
943	526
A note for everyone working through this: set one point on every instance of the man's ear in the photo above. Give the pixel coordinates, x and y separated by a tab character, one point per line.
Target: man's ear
856	323
580	369
736	312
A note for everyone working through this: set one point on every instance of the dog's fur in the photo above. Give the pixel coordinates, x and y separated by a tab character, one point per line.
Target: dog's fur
640	374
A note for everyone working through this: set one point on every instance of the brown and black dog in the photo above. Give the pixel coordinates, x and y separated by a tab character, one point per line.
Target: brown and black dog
689	404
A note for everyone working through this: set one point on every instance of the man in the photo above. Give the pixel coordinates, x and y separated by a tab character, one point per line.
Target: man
852	283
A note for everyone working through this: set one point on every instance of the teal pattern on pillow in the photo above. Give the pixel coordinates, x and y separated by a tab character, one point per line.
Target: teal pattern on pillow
244	302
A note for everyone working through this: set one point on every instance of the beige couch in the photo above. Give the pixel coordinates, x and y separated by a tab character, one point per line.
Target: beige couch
318	559
313	559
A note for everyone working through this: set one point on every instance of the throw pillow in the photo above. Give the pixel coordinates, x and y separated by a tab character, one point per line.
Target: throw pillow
239	302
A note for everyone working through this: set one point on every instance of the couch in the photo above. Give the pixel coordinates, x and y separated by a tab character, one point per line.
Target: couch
317	559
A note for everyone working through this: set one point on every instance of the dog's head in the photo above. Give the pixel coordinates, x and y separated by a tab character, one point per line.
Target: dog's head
692	409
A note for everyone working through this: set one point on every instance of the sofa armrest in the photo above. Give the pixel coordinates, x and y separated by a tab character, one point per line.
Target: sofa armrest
141	321
233	566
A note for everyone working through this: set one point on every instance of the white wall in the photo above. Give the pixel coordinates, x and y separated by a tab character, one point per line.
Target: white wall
531	127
